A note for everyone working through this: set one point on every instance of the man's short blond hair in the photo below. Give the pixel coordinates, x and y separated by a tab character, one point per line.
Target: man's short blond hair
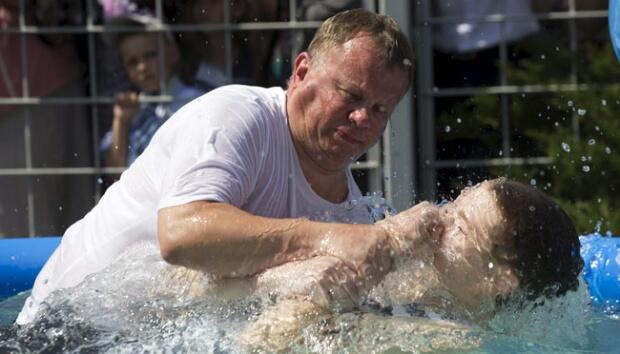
343	26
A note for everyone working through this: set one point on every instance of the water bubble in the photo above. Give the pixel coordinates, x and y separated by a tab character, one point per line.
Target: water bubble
543	57
581	112
565	147
459	120
591	142
490	265
99	180
607	150
604	102
501	153
570	103
532	208
585	168
60	207
532	182
447	129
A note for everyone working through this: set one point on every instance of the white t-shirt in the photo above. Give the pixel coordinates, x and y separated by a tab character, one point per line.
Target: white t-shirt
231	145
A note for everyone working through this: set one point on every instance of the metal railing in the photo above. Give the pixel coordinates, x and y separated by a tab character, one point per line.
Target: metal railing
395	164
427	92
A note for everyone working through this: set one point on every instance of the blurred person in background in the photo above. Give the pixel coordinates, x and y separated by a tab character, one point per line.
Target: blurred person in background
48	135
135	122
205	54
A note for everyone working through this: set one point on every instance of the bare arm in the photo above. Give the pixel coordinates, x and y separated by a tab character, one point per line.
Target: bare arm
224	240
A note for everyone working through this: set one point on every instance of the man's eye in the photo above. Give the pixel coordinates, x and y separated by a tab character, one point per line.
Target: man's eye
351	96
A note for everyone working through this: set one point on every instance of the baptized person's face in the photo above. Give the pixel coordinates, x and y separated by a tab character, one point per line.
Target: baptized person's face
475	250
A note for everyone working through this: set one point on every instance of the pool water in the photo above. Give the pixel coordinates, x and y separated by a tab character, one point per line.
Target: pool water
137	306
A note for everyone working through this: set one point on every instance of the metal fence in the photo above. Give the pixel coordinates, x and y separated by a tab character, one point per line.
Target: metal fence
404	166
30	174
430	94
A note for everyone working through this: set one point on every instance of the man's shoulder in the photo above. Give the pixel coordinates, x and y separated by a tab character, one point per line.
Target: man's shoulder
248	92
248	105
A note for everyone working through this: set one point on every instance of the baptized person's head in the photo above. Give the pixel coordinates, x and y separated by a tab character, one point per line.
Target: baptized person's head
502	236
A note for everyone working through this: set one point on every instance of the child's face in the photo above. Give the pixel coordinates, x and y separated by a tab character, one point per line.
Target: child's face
140	57
475	249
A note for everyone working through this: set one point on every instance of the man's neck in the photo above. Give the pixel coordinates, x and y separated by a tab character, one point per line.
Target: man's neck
329	183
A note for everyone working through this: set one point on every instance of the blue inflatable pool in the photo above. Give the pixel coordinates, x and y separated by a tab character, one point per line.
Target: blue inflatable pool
21	260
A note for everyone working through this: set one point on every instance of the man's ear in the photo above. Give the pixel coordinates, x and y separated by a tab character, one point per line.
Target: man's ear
302	64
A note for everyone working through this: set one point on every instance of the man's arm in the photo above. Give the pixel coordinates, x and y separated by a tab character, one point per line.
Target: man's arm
223	240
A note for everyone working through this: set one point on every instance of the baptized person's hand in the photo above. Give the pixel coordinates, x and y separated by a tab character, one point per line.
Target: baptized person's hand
415	231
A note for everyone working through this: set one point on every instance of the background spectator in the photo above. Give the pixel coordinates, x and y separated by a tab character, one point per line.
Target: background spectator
134	123
57	135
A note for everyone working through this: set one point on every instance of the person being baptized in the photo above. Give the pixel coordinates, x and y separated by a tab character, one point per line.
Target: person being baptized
498	241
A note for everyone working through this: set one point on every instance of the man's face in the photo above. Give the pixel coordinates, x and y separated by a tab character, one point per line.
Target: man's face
140	57
476	250
340	102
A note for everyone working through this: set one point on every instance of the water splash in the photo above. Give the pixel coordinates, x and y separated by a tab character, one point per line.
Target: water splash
565	147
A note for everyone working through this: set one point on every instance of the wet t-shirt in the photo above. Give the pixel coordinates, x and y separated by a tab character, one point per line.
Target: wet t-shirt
231	145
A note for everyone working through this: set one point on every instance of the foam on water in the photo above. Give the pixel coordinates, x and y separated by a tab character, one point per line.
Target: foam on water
141	304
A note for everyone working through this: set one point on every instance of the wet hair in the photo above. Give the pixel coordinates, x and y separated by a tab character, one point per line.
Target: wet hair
343	26
547	259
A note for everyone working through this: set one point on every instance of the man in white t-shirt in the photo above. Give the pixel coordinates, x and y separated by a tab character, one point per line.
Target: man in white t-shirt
245	178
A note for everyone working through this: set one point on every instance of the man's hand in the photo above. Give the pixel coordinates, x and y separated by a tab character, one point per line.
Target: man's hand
325	280
368	254
415	231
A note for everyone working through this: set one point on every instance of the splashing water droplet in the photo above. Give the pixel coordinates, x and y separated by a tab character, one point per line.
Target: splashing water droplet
591	141
565	147
607	150
604	102
585	168
532	182
581	112
447	129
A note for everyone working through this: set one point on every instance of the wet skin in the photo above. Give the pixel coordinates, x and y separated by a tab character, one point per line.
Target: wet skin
475	250
343	101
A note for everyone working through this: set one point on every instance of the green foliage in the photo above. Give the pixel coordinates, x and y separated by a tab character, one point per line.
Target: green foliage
579	130
588	158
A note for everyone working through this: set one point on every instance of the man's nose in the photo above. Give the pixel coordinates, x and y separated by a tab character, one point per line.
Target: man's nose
360	117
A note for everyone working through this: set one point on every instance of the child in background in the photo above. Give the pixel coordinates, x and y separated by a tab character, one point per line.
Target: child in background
135	121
